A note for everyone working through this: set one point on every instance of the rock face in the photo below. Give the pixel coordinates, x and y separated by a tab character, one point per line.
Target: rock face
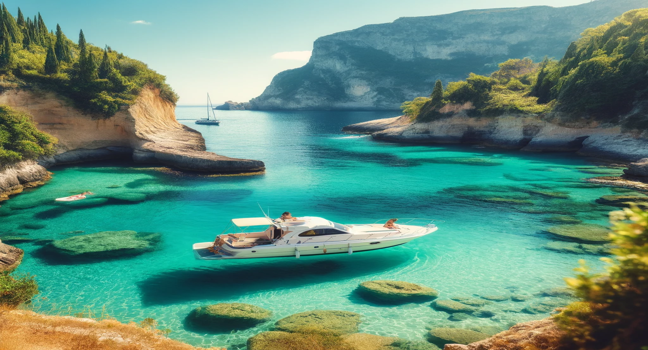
108	244
543	334
10	257
146	132
517	132
382	65
638	168
395	292
227	316
16	177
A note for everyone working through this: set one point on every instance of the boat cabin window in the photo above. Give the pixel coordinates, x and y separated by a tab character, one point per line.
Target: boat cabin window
322	232
341	227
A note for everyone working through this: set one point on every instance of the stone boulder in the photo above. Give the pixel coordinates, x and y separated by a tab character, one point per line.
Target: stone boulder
542	334
10	257
587	233
227	316
452	306
495	297
545	306
395	292
638	168
338	322
443	336
107	244
472	301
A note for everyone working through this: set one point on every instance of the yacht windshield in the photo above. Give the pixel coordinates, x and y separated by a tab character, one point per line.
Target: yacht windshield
340	226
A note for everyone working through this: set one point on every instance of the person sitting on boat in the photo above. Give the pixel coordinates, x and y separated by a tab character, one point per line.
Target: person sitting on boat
286	216
391	224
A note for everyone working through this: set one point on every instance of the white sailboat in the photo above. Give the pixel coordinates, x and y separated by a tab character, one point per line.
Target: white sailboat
306	236
208	121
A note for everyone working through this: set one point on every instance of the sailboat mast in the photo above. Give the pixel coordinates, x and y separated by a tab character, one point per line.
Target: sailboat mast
208	106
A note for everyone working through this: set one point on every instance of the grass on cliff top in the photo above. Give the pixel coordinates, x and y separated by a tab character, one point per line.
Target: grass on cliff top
19	138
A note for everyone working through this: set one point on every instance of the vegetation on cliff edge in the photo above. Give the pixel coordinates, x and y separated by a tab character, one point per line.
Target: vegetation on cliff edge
19	138
601	78
614	311
94	79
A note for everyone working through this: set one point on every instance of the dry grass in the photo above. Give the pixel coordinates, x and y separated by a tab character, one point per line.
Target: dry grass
27	330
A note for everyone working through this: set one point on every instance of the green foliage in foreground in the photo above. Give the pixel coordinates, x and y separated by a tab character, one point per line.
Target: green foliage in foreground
614	311
601	78
16	289
30	55
19	138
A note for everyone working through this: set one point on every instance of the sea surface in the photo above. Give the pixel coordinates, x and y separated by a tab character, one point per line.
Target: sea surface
313	169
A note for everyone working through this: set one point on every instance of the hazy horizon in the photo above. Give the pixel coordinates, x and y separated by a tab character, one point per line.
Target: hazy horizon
230	49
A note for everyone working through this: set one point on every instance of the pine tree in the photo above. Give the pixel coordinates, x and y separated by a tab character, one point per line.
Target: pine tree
51	63
437	95
87	66
82	41
61	48
106	65
639	54
21	19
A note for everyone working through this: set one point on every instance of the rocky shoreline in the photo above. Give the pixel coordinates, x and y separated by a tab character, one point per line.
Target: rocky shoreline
145	132
524	133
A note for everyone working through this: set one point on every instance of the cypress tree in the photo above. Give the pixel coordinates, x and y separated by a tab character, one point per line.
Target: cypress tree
42	28
437	95
61	48
51	63
82	41
21	19
6	57
106	65
87	66
12	27
26	38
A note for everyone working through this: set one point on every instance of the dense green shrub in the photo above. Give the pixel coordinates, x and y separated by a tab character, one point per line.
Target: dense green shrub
19	138
16	289
413	108
614	311
95	80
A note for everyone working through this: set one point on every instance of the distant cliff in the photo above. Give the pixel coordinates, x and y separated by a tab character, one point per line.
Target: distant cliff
381	66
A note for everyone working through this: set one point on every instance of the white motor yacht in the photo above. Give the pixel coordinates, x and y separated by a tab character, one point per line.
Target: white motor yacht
306	236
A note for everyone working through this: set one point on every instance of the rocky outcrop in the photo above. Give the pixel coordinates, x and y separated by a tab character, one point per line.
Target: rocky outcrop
227	316
526	133
16	177
638	168
145	132
233	106
543	334
10	257
382	65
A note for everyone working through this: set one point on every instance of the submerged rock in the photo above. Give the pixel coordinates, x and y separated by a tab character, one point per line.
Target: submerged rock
588	233
133	197
451	306
364	341
443	336
340	322
557	292
563	220
497	298
107	244
521	297
465	161
472	301
622	200
228	316
545	306
458	316
396	291
484	313
578	248
33	226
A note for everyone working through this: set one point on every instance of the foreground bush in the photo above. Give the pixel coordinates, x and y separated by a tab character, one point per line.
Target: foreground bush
614	311
19	138
16	290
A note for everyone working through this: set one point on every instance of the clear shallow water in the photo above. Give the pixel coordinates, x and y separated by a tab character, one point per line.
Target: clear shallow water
312	169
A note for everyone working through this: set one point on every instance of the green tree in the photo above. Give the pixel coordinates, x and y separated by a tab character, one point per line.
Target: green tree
106	65
21	19
639	54
437	95
42	28
51	62
614	312
61	48
12	28
6	57
17	289
87	68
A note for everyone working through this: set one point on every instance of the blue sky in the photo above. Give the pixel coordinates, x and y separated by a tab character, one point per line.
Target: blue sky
230	48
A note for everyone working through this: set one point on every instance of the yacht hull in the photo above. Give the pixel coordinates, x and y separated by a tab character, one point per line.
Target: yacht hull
202	252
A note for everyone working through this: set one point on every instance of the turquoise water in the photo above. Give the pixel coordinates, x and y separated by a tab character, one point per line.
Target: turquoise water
312	169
